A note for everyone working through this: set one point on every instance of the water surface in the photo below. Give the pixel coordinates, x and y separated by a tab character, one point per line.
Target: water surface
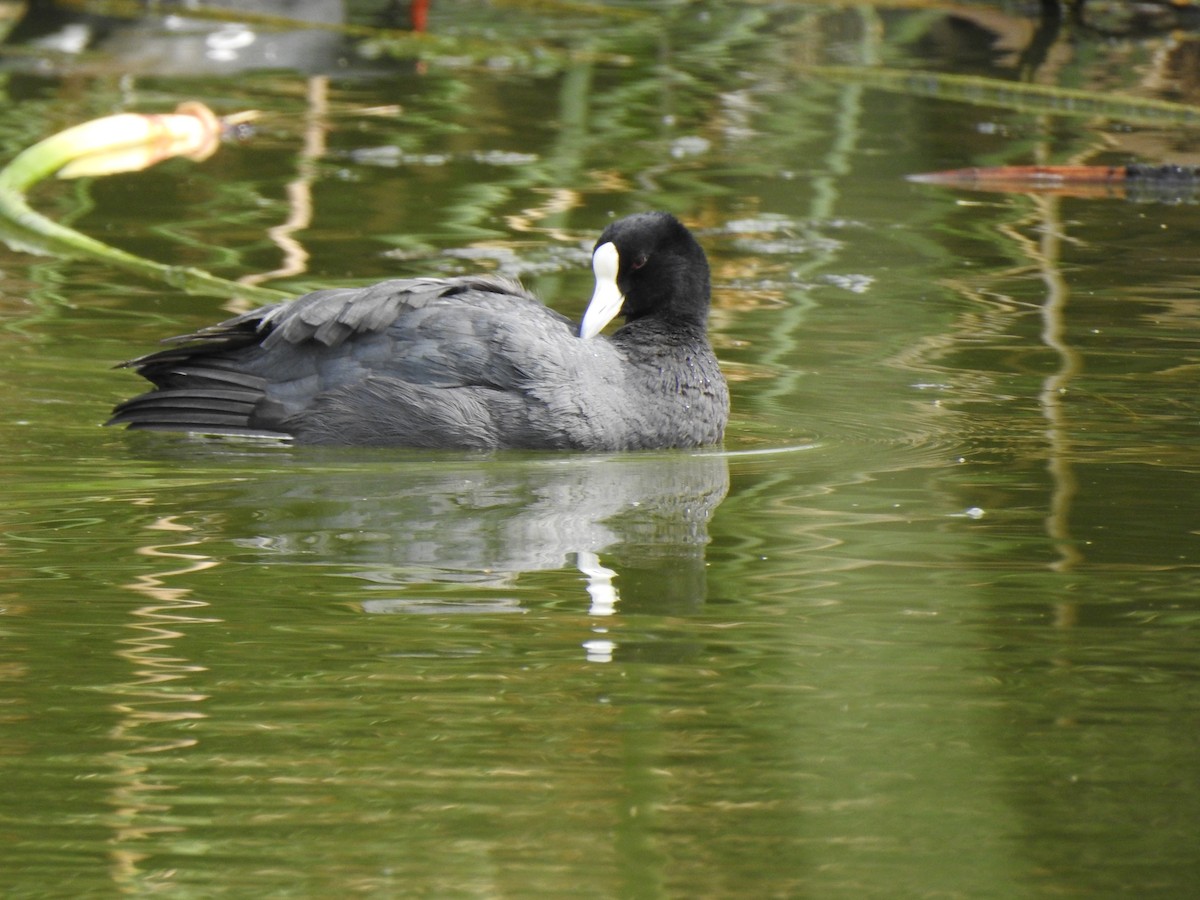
925	626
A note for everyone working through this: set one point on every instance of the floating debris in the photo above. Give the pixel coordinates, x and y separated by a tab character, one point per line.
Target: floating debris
1145	183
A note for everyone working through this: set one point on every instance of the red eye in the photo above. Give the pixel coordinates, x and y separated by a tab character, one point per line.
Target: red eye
639	262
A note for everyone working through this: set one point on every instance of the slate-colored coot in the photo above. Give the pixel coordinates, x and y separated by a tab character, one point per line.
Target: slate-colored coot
468	362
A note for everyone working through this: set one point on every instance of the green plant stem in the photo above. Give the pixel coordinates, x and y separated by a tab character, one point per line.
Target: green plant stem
1020	96
28	230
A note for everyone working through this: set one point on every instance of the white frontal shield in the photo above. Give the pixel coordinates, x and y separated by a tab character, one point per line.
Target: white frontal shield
607	298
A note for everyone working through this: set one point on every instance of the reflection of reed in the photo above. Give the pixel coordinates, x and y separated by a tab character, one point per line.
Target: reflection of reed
1054	387
299	192
150	698
1045	254
1037	236
1044	258
827	183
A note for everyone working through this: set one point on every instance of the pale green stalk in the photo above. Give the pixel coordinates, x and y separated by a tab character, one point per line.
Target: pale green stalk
30	231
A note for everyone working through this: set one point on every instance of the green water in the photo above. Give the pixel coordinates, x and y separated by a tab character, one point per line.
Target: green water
926	626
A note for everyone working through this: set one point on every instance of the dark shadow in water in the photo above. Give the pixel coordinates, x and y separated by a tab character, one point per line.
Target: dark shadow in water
173	44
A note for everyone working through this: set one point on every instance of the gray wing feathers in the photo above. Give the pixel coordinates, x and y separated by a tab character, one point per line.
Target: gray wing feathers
424	339
332	316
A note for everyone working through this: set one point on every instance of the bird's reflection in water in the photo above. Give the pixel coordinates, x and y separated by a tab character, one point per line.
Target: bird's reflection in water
634	525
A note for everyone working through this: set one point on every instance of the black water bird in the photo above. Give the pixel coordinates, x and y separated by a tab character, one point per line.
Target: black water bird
467	362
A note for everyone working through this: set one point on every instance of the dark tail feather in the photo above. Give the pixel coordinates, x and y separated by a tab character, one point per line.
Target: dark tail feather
202	409
169	369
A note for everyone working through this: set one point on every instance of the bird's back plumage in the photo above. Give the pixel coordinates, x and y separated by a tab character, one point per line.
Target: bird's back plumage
469	362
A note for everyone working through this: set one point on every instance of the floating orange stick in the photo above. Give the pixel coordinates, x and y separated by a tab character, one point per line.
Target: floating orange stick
1149	182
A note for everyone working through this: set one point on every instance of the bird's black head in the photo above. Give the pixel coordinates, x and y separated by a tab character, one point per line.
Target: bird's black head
649	265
